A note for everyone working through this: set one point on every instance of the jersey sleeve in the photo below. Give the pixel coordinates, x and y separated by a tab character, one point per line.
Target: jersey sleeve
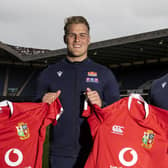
162	118
54	113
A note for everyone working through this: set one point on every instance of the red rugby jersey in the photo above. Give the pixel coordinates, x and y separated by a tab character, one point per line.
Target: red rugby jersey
22	132
128	134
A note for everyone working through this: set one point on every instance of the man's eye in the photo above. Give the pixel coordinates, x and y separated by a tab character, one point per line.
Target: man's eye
71	35
83	35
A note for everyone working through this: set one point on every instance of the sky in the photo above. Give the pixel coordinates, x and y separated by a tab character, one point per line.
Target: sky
39	23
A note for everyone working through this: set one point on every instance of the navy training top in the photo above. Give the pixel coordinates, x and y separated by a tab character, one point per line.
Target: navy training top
71	134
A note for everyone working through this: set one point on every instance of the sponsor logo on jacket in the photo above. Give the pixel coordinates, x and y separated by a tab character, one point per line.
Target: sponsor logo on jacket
92	77
92	74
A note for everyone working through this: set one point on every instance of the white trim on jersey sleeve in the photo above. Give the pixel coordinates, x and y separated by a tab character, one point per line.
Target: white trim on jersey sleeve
140	98
7	103
59	115
85	104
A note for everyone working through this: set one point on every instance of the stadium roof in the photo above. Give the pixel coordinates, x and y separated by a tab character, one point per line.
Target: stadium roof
144	48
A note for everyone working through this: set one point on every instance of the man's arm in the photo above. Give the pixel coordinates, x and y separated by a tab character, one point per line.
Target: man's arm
158	94
111	92
42	91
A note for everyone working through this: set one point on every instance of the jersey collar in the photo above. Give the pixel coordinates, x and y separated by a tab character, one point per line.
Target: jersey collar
7	103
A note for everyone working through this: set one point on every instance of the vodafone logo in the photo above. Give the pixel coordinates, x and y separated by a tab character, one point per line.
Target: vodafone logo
131	162
19	157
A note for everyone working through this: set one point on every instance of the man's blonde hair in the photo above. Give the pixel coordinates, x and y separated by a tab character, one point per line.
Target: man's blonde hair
75	20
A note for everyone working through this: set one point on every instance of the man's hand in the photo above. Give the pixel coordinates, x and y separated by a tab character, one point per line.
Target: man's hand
51	96
93	97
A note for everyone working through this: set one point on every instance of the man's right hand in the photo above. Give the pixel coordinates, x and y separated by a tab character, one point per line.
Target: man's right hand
51	96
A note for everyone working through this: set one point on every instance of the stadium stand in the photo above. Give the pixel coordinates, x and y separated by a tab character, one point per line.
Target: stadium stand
136	60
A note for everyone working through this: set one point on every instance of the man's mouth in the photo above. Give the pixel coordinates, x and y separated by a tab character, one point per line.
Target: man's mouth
76	46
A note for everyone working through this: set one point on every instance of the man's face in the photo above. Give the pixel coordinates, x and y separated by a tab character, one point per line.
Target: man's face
77	40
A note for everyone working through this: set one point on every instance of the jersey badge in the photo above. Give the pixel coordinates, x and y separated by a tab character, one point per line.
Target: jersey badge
92	74
147	139
23	131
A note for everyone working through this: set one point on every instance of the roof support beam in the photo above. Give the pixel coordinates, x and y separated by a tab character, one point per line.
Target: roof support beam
5	89
25	84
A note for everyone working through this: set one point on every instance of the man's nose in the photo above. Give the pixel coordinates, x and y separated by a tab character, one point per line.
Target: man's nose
77	37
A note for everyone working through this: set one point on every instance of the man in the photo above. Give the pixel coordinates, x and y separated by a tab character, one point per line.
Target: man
159	92
73	79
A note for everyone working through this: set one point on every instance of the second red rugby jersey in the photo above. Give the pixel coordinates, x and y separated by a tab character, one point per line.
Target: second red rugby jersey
128	134
22	132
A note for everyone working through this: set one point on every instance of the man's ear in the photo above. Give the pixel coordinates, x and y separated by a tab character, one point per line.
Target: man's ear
65	40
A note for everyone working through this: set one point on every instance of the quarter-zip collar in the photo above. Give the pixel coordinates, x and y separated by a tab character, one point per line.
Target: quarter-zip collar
85	61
